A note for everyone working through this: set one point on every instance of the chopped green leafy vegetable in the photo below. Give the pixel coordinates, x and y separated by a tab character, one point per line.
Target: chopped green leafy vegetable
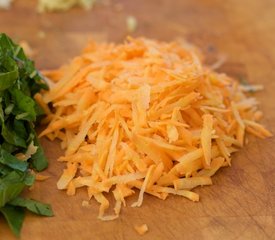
19	82
14	217
39	160
29	179
33	206
24	103
7	159
11	186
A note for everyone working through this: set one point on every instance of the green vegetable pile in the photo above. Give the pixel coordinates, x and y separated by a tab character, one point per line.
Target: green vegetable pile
19	82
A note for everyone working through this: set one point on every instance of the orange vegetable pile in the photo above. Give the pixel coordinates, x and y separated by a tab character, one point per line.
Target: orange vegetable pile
144	115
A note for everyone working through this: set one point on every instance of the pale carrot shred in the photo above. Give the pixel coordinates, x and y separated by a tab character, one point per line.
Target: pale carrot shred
144	115
40	177
206	138
141	229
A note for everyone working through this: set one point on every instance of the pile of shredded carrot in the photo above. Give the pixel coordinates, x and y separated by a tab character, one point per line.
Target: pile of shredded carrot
144	115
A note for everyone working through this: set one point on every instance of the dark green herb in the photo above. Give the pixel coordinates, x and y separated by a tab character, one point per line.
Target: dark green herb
33	206
11	185
38	160
14	217
19	81
9	160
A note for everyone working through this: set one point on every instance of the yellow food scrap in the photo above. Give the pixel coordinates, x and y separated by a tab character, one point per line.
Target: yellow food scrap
30	151
5	4
141	229
144	115
132	24
85	204
63	5
27	48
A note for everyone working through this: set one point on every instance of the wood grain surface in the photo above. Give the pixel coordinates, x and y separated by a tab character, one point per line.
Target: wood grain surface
241	203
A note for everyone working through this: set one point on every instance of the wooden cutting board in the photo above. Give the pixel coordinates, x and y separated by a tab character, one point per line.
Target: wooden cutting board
241	203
